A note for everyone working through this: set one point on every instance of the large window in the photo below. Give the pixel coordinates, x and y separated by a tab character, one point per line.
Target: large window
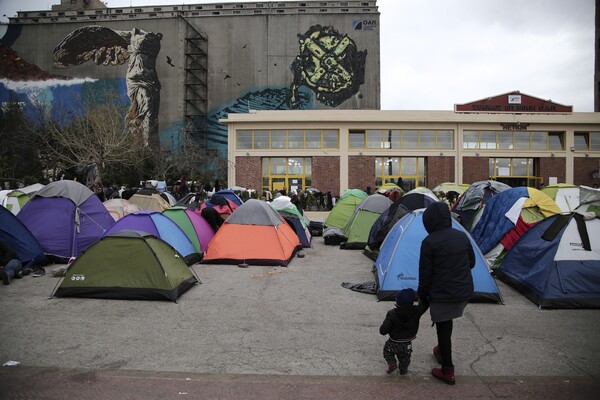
289	173
275	139
401	139
587	141
515	171
410	169
514	140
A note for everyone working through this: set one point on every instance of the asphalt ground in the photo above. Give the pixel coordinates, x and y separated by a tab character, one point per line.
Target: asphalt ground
282	333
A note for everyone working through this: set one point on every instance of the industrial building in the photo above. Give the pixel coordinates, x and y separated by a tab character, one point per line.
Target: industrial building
183	67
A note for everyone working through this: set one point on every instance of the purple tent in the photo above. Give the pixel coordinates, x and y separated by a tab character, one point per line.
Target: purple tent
66	218
161	226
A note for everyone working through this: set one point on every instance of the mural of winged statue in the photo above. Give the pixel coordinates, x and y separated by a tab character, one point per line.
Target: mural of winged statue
105	46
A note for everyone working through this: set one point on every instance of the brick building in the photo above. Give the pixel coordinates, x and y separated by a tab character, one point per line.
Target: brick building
514	138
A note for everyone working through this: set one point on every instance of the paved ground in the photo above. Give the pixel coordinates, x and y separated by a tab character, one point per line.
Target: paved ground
285	333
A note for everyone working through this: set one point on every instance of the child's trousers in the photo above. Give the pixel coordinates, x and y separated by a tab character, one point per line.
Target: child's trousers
399	350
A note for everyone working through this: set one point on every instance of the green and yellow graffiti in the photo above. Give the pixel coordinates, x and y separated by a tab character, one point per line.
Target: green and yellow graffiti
329	64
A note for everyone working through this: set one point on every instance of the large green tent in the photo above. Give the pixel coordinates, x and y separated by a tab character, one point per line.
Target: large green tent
359	225
344	208
129	265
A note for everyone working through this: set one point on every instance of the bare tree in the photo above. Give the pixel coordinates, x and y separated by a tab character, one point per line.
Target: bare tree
197	161
93	140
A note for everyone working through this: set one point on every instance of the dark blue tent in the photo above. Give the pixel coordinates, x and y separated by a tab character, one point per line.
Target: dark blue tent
20	238
230	195
297	226
556	263
414	201
384	223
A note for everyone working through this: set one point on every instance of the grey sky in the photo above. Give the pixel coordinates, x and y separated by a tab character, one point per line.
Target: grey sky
436	53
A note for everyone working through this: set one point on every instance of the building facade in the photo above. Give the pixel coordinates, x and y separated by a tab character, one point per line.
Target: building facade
514	138
181	68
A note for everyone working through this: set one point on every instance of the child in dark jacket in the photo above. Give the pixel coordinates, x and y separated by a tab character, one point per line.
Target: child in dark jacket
402	324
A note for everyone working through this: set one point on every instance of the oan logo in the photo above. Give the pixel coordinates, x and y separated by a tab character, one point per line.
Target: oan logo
77	277
364	24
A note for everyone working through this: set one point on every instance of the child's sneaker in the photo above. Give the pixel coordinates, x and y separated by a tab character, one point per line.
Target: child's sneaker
391	368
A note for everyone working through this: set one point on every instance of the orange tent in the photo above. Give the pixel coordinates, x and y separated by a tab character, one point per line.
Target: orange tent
253	234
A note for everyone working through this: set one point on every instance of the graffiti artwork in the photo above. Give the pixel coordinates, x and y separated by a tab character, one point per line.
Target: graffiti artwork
329	64
267	99
105	46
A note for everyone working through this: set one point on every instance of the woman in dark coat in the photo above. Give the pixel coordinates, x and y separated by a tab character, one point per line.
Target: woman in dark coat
445	280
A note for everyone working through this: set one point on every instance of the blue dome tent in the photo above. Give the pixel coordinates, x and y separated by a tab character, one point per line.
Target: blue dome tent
556	263
397	266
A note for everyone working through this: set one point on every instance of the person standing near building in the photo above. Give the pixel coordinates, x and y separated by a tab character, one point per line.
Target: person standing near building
445	280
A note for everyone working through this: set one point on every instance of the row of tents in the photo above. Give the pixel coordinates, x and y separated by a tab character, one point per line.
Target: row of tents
64	222
555	265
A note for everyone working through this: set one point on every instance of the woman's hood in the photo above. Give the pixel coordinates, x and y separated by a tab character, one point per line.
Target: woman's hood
437	217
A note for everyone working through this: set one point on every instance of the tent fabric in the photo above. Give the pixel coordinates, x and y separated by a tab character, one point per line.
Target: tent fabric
31	189
301	231
569	197
119	208
150	201
128	265
72	190
161	226
565	195
230	195
344	208
298	222
502	211
224	206
425	191
284	204
168	197
357	228
333	236
397	265
475	198
414	201
554	270
384	224
256	212
253	234
193	225
446	187
13	200
26	246
593	207
546	205
388	186
449	192
66	218
588	195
